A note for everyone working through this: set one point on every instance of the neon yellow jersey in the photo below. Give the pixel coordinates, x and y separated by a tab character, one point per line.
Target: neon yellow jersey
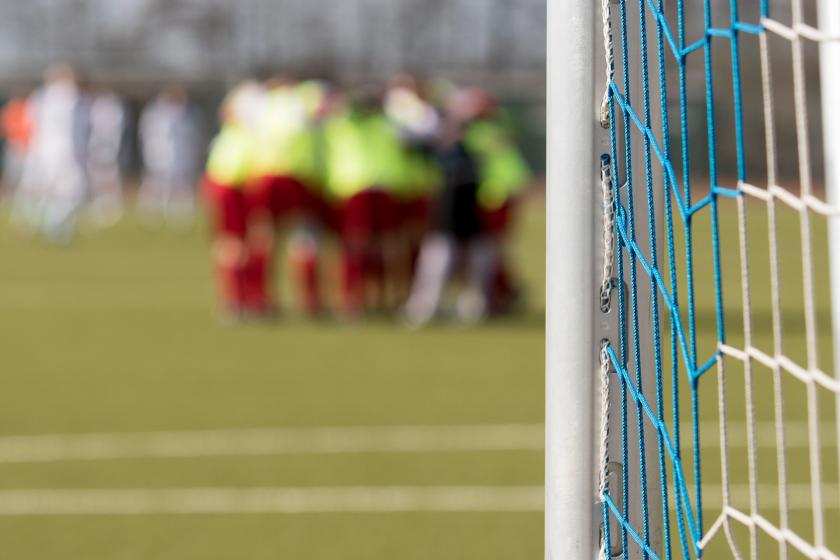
230	162
346	167
387	157
503	171
363	151
423	175
282	120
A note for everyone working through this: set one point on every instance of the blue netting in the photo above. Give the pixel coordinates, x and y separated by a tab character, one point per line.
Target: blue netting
675	356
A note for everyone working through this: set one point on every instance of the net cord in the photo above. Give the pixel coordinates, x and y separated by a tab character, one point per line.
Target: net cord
805	204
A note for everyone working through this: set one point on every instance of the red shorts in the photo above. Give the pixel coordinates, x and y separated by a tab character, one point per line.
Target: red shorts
228	206
416	210
284	197
369	213
498	221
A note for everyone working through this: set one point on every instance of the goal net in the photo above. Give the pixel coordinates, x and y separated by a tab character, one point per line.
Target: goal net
694	278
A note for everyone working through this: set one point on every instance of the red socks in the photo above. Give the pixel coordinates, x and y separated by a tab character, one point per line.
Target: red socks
257	283
232	287
352	281
305	263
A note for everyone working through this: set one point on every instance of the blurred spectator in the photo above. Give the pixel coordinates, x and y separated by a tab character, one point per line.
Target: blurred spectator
107	125
169	139
16	122
54	183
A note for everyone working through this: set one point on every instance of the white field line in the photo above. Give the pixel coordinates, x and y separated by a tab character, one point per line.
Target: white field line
796	434
352	499
799	496
279	441
272	500
337	440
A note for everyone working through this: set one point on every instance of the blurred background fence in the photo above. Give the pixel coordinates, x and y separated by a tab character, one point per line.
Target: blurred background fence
137	45
494	42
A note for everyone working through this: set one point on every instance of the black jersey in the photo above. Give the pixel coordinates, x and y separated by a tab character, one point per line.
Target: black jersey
457	211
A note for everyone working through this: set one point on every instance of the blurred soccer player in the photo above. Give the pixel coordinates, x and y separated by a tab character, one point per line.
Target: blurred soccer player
229	168
365	168
169	139
54	183
283	194
417	122
107	124
503	174
457	234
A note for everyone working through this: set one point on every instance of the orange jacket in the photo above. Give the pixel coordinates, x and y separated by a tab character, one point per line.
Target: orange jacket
16	123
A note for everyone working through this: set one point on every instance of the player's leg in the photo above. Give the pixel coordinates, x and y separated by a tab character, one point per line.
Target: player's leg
262	198
106	205
414	214
151	197
14	160
393	250
437	256
417	221
505	290
228	210
28	198
281	202
180	212
304	237
482	260
377	242
354	216
65	197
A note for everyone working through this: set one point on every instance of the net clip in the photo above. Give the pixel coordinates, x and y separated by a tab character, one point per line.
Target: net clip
615	475
604	113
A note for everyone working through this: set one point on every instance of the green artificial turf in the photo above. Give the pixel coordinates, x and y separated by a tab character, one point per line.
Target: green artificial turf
118	333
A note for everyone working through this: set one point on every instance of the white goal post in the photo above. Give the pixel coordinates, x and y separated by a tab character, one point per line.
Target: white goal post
575	322
570	348
829	13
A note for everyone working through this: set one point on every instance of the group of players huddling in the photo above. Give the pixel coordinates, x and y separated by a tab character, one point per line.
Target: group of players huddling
417	182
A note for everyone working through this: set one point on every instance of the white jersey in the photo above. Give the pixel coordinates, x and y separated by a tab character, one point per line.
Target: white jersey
107	120
59	125
59	140
169	140
54	184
